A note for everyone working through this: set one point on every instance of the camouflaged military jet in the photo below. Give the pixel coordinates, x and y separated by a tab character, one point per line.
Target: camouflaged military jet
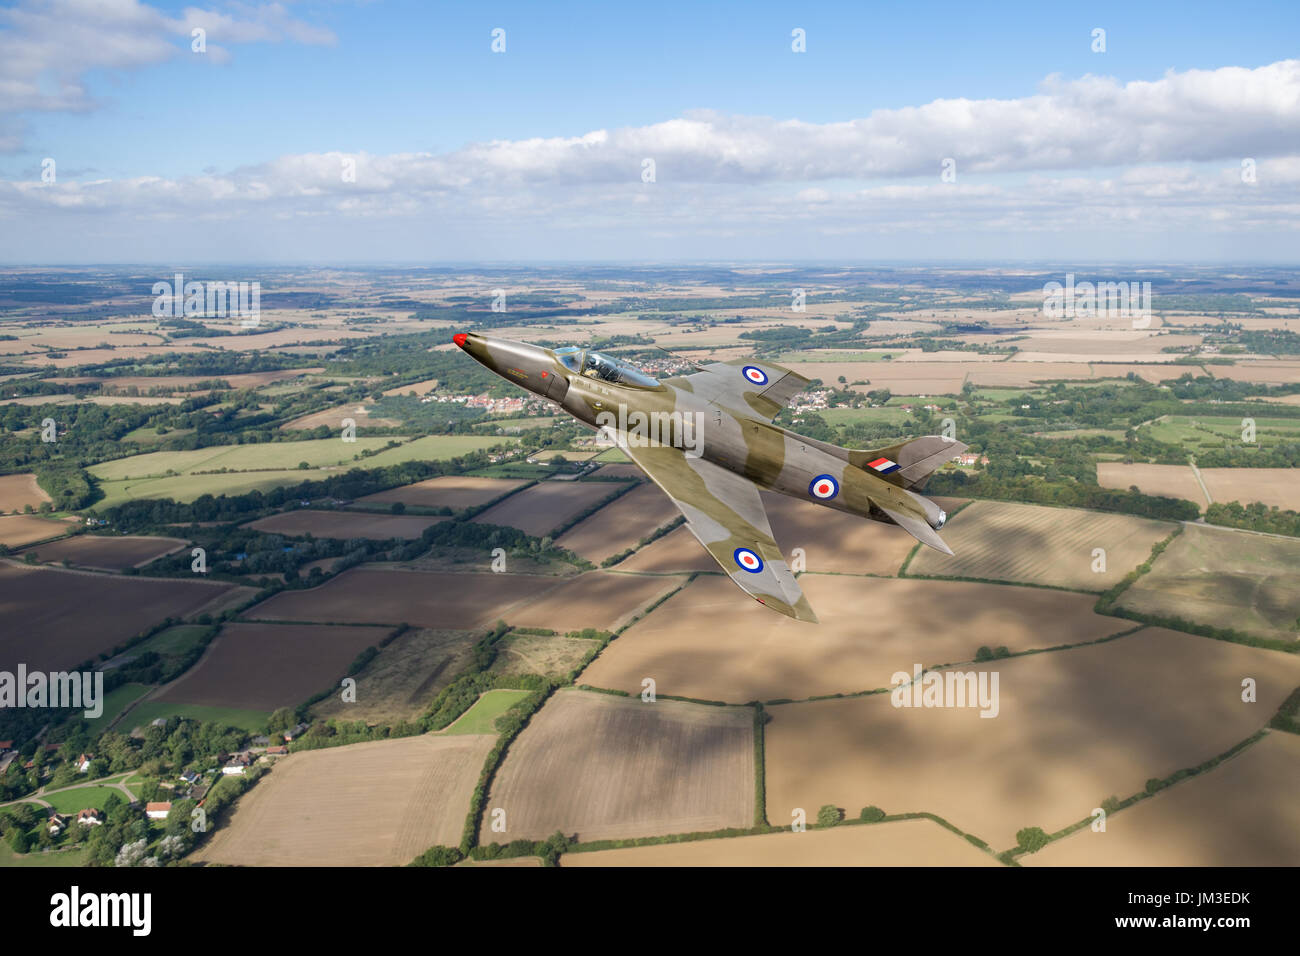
708	441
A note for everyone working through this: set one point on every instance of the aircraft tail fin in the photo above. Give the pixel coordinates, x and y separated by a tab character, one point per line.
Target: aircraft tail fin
908	464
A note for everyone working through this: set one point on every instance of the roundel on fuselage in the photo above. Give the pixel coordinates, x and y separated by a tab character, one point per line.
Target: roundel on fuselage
748	560
824	487
755	375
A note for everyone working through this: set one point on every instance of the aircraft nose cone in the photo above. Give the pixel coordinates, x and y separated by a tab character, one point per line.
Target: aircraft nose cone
459	338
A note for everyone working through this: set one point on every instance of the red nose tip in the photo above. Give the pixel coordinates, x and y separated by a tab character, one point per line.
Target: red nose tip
459	339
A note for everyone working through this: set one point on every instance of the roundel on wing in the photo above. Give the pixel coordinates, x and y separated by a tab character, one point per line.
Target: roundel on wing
755	375
824	487
748	560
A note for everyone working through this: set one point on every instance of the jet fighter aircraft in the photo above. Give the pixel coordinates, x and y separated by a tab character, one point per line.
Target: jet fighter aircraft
707	440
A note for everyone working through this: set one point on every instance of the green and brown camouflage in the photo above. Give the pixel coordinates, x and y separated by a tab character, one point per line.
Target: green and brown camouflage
707	440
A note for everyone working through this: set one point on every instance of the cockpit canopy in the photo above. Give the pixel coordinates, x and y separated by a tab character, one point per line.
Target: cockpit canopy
593	364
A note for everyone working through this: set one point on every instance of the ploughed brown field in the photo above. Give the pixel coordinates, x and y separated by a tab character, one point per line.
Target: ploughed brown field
344	524
1275	487
839	543
373	804
105	552
547	505
18	530
380	595
899	843
56	618
1224	578
1172	481
620	525
1244	812
600	599
404	679
678	550
1035	544
1073	727
16	491
607	767
711	641
265	666
456	492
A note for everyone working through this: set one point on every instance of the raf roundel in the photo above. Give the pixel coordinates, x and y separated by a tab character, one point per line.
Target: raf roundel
755	374
824	487
748	560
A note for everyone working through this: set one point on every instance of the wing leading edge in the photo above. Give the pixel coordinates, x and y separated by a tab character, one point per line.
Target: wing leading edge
724	511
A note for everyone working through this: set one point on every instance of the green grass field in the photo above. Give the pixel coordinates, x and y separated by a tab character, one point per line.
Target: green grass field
175	640
481	718
316	453
185	488
253	721
434	448
611	455
847	416
70	801
1212	432
116	701
828	355
75	857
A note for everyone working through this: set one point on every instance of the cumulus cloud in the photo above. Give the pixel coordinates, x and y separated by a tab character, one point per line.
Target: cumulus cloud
48	46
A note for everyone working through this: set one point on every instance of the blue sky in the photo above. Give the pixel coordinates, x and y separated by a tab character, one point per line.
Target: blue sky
391	79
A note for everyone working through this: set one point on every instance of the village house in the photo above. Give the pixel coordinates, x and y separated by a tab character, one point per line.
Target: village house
158	810
57	823
90	817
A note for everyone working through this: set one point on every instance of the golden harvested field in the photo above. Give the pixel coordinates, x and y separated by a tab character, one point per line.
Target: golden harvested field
18	530
107	553
839	543
899	843
1241	813
1267	372
712	642
404	679
16	491
344	524
1224	578
381	595
1172	481
266	666
1036	544
678	550
607	767
540	654
371	804
548	504
601	599
1276	487
456	492
417	388
620	525
1073	728
332	418
55	618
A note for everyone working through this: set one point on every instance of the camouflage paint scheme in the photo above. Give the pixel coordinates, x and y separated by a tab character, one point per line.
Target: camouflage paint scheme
736	452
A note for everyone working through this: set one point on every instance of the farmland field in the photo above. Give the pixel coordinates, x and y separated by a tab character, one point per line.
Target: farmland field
19	530
456	492
186	488
547	505
144	713
435	448
540	654
1036	544
1172	481
600	599
86	614
679	550
1276	487
481	717
1241	813
252	457
404	679
372	595
897	843
1224	578
105	552
19	490
1073	728
373	804
620	525
267	666
608	767
711	642
343	524
116	701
